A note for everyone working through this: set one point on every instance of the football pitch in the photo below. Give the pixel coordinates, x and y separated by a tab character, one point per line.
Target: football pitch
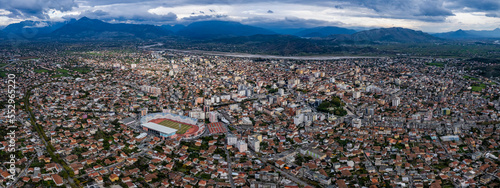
175	125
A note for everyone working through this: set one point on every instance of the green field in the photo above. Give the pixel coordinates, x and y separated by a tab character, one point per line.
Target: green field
175	125
478	88
471	78
41	70
437	64
82	70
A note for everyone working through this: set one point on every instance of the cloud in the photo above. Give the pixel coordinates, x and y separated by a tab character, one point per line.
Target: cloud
288	22
494	15
35	8
476	5
285	13
196	18
137	16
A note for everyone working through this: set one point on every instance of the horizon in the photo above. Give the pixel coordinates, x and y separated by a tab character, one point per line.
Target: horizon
274	29
427	16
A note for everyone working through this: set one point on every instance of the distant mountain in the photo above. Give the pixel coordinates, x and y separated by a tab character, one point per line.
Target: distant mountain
470	34
174	28
33	29
91	28
459	34
220	29
395	34
324	31
272	44
486	33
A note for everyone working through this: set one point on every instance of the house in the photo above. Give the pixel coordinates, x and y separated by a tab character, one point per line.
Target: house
114	177
280	164
57	179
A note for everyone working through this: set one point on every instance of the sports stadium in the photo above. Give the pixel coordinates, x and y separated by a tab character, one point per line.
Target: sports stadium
168	125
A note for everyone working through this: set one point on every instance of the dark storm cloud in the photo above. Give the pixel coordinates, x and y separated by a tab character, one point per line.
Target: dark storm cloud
203	18
494	15
35	8
424	10
476	5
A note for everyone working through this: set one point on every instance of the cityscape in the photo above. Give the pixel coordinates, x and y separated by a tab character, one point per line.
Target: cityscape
88	102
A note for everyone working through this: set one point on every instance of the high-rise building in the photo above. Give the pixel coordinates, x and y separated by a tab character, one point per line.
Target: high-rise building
356	123
254	143
396	101
144	111
231	139
212	117
242	146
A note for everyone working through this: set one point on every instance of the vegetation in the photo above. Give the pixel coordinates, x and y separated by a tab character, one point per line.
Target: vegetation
334	106
470	78
436	64
174	125
478	87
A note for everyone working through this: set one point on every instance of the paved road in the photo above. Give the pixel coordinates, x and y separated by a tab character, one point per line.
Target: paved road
22	173
229	167
288	175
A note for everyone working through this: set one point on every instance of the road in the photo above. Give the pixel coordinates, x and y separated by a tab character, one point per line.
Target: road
149	148
229	167
22	173
286	174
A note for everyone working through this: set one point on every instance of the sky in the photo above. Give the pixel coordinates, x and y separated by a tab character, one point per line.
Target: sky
426	15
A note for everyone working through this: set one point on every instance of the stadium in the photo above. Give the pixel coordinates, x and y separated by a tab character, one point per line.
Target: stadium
168	125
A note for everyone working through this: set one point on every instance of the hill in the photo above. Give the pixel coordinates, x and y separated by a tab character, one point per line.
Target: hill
91	28
324	31
387	35
174	28
33	29
220	29
470	34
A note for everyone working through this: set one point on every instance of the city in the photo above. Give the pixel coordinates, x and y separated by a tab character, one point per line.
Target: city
84	120
250	94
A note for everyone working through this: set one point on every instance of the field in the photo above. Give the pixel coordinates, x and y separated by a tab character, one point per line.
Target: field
478	88
175	125
471	78
41	70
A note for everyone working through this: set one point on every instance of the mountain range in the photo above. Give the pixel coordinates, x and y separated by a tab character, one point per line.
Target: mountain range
220	29
469	34
91	28
395	34
86	28
324	31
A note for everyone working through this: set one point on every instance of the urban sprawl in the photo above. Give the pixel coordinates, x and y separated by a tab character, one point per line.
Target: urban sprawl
160	118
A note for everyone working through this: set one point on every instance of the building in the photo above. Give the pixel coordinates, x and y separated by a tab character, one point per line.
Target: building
313	153
57	179
357	95
450	138
150	89
242	146
213	117
396	101
197	113
254	143
356	123
144	111
159	130
231	139
446	111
